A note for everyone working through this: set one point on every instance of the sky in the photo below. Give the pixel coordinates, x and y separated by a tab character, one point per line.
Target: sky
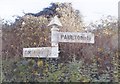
91	10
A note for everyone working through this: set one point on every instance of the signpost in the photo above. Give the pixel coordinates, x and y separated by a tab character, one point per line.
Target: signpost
56	37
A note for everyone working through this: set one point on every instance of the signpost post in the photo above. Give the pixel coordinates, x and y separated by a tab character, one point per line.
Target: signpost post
55	23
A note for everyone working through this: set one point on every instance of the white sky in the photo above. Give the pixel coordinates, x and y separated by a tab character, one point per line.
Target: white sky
90	9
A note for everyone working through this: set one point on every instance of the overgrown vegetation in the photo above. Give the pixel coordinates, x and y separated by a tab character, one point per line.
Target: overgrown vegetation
78	62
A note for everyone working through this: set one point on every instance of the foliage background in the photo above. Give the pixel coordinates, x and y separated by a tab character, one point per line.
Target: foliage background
77	62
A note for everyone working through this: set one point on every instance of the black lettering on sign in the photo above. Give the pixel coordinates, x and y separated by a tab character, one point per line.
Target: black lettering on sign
62	36
65	37
81	37
88	38
70	37
29	51
78	37
75	37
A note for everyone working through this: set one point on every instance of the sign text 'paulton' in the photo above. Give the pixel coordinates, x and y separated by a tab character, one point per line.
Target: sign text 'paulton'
76	37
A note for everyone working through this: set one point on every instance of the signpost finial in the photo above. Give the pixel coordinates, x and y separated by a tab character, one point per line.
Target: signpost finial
55	21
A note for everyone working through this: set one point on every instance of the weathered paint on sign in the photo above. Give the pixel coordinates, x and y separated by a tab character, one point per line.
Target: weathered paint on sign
42	52
37	52
76	37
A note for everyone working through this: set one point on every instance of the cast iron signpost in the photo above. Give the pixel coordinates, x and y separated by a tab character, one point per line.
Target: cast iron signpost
56	37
